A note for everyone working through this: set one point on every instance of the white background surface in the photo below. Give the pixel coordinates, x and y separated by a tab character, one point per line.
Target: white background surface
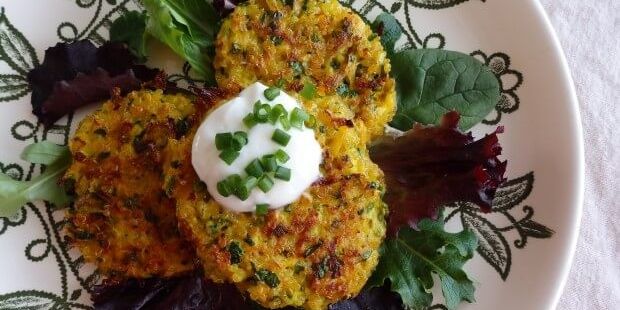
589	32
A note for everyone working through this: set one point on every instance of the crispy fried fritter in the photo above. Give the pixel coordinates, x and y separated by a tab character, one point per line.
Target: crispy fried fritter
316	42
318	250
121	220
323	247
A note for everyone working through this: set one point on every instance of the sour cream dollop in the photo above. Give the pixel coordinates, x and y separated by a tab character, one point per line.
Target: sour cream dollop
303	149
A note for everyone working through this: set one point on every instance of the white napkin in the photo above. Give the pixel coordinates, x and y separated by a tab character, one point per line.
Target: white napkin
589	32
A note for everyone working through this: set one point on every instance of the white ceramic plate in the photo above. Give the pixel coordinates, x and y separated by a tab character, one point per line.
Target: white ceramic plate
520	264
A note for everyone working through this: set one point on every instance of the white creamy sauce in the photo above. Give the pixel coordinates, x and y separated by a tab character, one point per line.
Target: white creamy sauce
304	151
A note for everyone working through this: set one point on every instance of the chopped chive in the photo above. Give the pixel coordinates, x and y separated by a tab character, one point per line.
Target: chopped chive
311	122
242	193
286	124
298	117
269	163
234	181
271	93
283	173
265	183
250	120
281	156
242	187
262	209
250	182
281	137
261	112
242	136
224	188
240	139
277	111
254	168
229	156
223	140
308	91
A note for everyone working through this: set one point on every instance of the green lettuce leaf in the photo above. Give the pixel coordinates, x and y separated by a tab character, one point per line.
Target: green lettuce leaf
189	28
130	28
432	82
408	261
14	194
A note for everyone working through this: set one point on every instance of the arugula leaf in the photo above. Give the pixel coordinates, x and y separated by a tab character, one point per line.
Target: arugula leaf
44	152
409	260
431	82
14	194
130	28
387	27
189	28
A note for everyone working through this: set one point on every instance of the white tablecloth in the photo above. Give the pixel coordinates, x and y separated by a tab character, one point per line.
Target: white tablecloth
590	34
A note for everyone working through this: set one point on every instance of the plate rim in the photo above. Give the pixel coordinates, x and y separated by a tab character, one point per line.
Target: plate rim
576	155
579	160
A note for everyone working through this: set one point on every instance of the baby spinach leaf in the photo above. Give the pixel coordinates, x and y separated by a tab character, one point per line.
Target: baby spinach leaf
408	261
14	194
189	28
430	83
387	27
130	28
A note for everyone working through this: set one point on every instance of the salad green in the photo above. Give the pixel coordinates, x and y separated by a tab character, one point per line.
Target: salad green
189	28
14	194
409	261
432	82
130	29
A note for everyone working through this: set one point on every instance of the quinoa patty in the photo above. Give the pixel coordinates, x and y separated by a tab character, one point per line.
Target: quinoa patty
317	42
316	251
121	219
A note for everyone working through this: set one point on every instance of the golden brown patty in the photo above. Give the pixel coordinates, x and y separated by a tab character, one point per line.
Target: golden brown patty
122	220
318	250
313	41
323	247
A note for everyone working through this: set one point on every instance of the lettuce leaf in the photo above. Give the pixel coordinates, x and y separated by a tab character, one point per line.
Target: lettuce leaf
409	261
14	193
189	28
130	28
79	73
429	167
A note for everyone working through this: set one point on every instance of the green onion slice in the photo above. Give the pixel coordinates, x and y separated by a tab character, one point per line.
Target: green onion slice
262	209
250	121
254	168
261	112
223	140
309	90
269	163
311	122
224	188
283	173
298	117
229	156
239	140
281	156
271	93
281	137
277	111
265	183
